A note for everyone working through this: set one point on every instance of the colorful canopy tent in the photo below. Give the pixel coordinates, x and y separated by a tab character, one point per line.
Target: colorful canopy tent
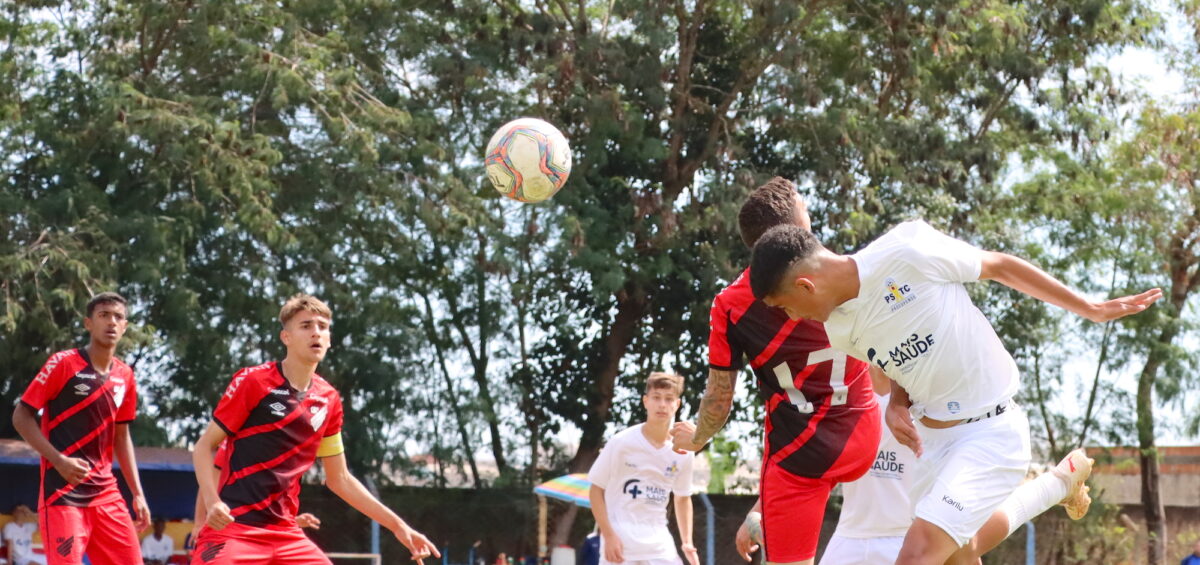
166	474
572	488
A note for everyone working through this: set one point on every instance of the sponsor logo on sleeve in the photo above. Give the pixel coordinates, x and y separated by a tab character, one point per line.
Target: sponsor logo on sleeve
51	363
233	386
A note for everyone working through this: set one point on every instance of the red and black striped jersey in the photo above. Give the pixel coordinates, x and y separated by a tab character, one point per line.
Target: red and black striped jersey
275	434
80	410
814	395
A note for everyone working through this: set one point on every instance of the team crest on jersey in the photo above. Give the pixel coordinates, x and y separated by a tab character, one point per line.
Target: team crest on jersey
318	416
119	393
671	470
897	294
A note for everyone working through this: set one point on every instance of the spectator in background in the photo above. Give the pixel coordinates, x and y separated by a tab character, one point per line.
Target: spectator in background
1194	558
18	537
589	552
157	547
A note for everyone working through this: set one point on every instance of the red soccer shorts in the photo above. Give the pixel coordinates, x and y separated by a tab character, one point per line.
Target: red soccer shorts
104	532
793	507
237	545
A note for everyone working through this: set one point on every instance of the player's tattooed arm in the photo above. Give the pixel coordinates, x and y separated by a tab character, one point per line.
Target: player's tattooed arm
716	404
714	410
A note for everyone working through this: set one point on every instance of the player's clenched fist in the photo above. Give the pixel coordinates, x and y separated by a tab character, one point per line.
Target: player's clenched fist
219	516
73	469
683	437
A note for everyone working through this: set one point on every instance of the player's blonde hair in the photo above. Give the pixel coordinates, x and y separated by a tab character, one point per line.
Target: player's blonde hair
665	381
303	302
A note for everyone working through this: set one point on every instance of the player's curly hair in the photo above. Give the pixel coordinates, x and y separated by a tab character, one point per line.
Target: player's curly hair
776	252
303	302
664	381
770	205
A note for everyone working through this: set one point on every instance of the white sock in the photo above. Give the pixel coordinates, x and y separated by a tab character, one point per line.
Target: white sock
1033	498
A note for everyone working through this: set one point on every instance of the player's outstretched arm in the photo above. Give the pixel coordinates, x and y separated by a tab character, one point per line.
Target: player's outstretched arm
123	450
203	455
683	520
714	410
1019	274
348	488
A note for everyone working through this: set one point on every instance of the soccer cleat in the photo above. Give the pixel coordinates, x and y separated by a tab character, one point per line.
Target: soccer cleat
1075	469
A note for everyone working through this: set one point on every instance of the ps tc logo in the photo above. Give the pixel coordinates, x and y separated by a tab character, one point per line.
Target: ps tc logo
897	294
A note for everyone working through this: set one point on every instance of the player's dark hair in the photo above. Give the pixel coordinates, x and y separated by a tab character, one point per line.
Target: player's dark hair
776	252
665	381
770	205
104	298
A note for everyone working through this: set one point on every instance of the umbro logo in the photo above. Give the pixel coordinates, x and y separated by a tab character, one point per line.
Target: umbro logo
82	389
277	408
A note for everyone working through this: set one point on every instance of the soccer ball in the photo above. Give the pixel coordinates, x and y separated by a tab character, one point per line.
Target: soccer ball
528	160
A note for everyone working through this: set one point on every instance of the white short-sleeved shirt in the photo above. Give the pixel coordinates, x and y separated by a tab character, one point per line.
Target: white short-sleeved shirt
638	479
877	505
21	538
913	318
157	549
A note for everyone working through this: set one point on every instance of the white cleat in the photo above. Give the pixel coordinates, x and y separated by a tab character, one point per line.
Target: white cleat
1075	468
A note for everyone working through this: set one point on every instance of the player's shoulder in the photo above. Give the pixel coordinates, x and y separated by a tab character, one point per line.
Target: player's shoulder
119	365
265	371
322	388
736	297
65	357
258	377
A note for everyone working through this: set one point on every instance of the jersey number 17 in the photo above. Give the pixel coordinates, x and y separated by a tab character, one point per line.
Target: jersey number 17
837	378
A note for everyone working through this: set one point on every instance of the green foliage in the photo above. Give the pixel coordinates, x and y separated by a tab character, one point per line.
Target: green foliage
208	159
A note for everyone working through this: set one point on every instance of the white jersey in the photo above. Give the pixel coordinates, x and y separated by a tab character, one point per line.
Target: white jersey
638	479
913	318
157	549
877	505
21	538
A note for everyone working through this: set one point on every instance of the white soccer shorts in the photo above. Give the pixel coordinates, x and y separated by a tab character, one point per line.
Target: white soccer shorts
968	470
861	551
